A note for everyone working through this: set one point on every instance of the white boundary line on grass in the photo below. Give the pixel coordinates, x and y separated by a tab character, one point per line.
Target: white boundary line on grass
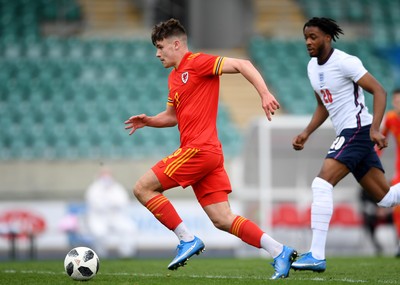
167	275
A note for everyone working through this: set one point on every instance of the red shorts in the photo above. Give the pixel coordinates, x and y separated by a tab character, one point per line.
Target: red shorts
203	170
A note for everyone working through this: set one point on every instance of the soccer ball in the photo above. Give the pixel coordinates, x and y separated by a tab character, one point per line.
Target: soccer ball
81	263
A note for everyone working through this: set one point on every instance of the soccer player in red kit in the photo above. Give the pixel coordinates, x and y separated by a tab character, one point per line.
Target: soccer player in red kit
391	125
199	162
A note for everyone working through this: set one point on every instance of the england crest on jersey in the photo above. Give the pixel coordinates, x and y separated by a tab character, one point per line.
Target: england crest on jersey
185	77
321	79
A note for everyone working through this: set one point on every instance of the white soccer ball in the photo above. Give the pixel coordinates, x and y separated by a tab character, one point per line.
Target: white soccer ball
81	263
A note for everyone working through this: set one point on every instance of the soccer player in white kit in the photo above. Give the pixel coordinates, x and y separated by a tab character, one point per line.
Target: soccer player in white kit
338	80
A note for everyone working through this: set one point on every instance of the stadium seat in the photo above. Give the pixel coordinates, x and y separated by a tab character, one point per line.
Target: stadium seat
355	11
345	215
287	215
285	72
63	88
22	224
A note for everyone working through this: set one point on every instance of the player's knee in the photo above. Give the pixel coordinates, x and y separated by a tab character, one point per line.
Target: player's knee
392	198
220	223
138	190
143	192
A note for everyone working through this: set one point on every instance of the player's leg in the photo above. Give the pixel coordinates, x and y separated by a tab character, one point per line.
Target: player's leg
375	183
396	214
396	223
184	167
331	173
212	193
148	190
370	219
347	154
222	217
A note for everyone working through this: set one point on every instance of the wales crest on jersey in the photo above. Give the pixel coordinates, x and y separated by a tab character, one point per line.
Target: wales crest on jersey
185	77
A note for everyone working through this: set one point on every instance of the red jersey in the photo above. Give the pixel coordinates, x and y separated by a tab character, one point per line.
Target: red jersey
392	125
194	92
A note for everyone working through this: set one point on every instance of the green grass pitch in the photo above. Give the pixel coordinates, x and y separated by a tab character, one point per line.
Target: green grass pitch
354	270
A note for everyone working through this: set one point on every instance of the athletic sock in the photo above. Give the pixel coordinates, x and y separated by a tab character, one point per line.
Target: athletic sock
251	234
163	210
183	233
273	247
392	198
321	213
396	220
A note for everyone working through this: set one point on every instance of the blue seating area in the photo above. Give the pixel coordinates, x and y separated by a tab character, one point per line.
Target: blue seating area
68	99
22	18
284	63
284	66
381	16
340	10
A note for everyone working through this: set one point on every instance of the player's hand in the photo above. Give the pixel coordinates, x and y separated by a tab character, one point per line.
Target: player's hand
299	141
270	105
135	122
378	151
378	138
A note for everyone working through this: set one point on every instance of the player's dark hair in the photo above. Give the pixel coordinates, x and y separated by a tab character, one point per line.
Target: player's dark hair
169	28
327	25
396	91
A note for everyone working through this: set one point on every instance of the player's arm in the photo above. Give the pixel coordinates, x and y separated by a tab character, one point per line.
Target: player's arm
385	132
164	119
319	117
247	69
371	85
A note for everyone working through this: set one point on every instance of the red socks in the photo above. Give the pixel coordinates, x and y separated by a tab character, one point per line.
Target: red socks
247	231
163	210
241	227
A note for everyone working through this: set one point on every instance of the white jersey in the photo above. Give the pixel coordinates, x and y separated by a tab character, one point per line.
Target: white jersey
335	83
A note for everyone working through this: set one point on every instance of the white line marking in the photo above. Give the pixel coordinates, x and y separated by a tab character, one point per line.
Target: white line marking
291	278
